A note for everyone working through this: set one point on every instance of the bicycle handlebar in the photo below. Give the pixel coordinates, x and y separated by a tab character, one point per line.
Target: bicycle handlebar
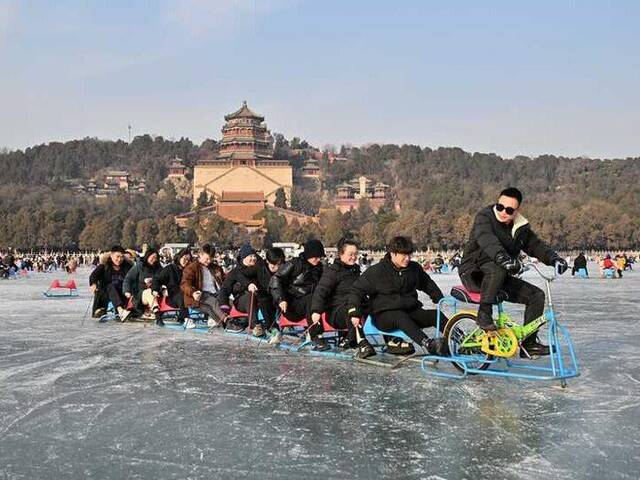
530	265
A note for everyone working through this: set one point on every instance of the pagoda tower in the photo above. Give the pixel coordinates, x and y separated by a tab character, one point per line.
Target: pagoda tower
244	162
245	138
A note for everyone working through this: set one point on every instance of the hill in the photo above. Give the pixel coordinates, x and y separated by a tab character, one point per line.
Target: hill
572	202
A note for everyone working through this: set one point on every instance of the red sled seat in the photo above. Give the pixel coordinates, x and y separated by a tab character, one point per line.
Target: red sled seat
164	306
328	328
235	313
460	292
284	322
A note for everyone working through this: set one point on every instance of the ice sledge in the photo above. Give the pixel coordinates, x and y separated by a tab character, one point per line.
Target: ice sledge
472	351
61	290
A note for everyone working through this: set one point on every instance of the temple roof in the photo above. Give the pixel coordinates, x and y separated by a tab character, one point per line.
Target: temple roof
241	197
244	155
177	163
117	173
244	112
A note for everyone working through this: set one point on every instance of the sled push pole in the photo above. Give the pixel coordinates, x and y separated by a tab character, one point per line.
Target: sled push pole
475	352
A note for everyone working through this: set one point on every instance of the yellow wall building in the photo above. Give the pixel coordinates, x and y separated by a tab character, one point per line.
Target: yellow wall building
244	162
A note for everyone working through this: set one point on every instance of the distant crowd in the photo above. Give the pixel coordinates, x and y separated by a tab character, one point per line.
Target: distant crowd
14	263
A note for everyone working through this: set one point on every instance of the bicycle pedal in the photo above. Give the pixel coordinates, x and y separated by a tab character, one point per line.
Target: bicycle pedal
501	343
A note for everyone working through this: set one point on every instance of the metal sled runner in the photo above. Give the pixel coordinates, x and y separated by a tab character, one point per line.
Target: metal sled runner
475	352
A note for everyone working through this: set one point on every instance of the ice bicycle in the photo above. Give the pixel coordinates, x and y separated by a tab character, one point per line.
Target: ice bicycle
474	351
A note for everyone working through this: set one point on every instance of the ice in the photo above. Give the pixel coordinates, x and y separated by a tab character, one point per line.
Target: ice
88	400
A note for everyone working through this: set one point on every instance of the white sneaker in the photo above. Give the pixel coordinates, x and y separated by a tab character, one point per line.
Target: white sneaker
189	323
212	323
276	337
123	314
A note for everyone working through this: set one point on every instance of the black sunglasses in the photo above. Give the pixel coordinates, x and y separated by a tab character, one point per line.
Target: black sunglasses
510	210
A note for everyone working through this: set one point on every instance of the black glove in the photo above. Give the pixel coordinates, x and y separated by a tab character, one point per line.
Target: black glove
560	264
510	264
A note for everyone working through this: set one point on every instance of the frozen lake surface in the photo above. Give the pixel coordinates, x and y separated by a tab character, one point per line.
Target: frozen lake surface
128	401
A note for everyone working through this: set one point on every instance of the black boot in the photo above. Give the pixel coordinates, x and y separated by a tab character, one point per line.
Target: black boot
315	330
347	343
435	346
532	348
159	321
396	346
365	350
485	322
320	345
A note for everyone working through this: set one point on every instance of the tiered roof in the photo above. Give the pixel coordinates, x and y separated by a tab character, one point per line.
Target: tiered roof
244	112
245	137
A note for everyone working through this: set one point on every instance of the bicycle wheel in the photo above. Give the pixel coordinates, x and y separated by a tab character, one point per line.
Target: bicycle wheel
460	328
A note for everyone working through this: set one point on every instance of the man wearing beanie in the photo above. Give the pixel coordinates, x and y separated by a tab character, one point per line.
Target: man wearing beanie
293	284
248	281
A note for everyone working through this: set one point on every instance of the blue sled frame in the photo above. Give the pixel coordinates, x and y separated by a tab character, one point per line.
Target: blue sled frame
561	364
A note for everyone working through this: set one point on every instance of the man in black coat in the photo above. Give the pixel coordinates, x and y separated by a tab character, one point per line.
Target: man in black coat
106	282
391	287
491	257
250	280
332	293
293	284
170	278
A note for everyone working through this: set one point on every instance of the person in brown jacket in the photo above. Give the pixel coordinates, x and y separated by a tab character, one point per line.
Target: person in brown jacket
200	283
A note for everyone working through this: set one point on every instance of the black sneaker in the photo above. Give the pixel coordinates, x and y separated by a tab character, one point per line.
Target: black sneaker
396	346
315	330
320	345
485	322
235	326
365	350
532	348
346	344
435	346
159	322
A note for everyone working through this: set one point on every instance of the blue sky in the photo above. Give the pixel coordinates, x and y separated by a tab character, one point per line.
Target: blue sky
509	77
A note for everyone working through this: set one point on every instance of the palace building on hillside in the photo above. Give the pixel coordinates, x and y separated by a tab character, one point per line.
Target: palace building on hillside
177	169
348	195
244	163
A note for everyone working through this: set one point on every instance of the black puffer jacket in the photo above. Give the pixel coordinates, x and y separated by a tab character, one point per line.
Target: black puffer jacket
580	262
101	275
334	286
489	237
239	279
170	277
389	288
134	281
294	279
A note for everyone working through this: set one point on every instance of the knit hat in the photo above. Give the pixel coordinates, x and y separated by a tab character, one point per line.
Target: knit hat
245	251
313	248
